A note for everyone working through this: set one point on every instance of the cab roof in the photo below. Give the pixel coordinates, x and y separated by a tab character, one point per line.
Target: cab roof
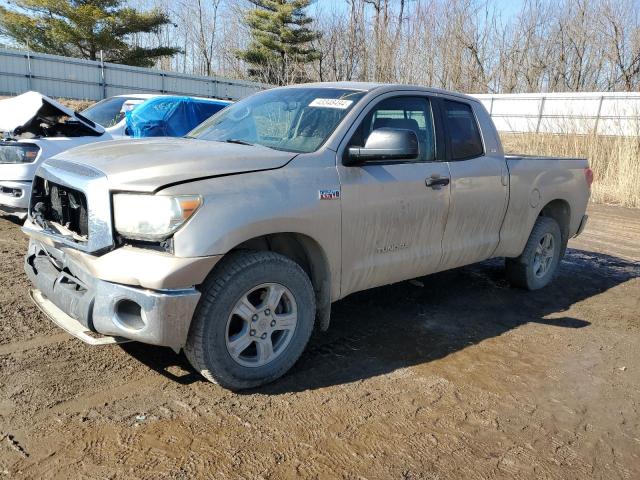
383	87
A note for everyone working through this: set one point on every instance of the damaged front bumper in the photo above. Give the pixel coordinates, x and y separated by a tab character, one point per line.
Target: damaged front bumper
85	306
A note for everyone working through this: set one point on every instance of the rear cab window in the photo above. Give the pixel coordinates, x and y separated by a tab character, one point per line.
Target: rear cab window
464	135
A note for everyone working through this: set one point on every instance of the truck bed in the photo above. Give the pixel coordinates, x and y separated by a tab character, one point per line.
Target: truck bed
536	181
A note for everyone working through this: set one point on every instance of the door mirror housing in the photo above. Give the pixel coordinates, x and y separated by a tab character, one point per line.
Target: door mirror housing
385	144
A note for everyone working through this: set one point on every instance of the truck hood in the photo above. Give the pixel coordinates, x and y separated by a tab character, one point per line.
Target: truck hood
148	165
37	114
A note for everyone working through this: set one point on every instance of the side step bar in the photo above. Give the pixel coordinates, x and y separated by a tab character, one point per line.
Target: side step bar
69	324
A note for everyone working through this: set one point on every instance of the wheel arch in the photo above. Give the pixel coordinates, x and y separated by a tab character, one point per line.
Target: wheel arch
560	210
307	253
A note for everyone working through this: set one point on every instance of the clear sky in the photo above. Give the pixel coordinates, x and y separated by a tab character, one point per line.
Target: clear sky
506	7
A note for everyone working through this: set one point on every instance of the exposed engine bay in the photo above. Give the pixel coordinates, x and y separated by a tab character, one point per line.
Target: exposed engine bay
33	115
50	122
58	129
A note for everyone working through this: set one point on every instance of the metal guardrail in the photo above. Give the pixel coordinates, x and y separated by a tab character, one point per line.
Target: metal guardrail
67	77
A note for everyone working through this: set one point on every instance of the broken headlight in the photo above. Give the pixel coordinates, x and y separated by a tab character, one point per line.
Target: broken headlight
152	217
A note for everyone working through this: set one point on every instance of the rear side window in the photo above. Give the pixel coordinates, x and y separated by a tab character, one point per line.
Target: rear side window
464	135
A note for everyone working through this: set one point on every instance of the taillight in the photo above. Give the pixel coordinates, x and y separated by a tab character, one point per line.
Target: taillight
588	176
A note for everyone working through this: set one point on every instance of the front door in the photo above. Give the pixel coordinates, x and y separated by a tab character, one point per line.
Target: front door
392	222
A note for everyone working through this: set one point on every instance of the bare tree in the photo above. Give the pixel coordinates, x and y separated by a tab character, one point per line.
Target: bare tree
467	45
207	21
618	25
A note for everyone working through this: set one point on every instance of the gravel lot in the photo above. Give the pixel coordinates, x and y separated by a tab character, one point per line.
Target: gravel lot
454	376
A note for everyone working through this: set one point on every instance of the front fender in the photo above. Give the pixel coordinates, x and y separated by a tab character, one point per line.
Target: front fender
241	207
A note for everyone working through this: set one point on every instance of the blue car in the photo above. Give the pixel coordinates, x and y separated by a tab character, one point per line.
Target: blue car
170	116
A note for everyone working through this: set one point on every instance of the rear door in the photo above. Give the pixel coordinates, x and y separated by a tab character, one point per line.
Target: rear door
479	186
392	222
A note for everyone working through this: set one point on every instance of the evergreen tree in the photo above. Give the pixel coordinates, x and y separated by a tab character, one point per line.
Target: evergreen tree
81	28
281	41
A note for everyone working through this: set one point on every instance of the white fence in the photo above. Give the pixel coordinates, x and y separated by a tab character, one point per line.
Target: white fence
67	77
56	76
603	113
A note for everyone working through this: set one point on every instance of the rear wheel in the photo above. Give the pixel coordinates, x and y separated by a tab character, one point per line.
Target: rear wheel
538	263
253	322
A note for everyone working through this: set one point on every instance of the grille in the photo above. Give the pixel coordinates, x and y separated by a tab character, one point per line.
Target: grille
60	204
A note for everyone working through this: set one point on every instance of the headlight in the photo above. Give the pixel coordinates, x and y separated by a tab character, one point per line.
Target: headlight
12	152
152	217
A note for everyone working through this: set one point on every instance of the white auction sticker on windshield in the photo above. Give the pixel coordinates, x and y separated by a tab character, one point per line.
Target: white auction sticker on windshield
331	103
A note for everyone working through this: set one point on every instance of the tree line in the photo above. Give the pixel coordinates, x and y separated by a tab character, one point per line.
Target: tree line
464	45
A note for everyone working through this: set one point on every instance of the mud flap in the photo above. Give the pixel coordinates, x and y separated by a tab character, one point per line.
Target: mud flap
323	317
583	223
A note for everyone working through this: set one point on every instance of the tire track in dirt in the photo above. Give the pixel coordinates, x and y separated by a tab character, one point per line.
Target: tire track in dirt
462	377
21	346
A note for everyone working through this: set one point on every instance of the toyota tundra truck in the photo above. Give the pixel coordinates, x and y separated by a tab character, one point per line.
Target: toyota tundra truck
232	242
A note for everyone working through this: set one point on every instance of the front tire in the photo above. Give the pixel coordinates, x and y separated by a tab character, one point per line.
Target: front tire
253	321
537	265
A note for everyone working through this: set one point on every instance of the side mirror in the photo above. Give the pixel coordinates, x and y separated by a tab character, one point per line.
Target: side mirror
385	144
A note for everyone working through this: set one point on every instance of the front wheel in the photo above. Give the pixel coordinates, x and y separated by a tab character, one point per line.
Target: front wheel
537	264
253	322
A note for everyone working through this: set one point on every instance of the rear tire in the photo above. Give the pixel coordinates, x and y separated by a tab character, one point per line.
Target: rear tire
253	321
537	265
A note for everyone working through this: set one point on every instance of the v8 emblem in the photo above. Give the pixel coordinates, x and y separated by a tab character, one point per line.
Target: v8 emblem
329	194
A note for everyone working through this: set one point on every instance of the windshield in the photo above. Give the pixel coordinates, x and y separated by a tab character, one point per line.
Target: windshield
292	119
107	112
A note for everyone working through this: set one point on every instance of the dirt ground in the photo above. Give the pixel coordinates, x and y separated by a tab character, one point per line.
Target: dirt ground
455	376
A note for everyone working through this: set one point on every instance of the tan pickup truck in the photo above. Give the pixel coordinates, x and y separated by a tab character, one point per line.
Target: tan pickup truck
232	243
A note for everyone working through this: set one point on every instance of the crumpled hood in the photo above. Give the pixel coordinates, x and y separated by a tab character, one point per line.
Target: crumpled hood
25	112
147	165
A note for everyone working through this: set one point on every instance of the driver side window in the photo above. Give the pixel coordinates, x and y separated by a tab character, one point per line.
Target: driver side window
404	113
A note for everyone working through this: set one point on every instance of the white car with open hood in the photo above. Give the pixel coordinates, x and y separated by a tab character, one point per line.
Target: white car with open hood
37	127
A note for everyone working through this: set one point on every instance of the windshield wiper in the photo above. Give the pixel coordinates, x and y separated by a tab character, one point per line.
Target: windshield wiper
239	142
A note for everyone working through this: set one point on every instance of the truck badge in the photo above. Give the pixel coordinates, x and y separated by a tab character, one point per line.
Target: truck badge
329	194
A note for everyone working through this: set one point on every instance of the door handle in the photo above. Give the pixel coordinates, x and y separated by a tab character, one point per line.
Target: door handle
436	182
